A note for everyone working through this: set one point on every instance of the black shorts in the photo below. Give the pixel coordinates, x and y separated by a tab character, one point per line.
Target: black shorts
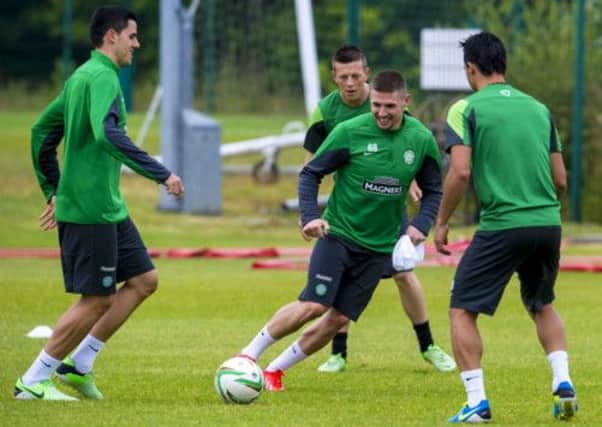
342	275
95	257
390	271
492	258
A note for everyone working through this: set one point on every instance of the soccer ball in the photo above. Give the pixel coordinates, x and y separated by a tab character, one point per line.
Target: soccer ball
238	380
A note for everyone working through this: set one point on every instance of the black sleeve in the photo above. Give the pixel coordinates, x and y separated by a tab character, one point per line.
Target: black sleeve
315	136
429	181
311	177
554	148
47	158
451	139
122	143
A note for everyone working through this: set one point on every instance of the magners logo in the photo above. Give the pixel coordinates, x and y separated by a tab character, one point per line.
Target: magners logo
383	185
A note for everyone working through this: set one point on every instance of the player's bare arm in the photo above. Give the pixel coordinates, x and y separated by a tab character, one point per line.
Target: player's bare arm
558	173
453	191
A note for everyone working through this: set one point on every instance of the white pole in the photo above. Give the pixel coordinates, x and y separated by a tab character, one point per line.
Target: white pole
193	8
150	115
169	48
307	51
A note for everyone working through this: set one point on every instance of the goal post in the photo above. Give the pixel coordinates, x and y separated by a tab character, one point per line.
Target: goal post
184	131
190	141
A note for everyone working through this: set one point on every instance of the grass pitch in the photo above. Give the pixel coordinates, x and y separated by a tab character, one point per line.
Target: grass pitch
158	369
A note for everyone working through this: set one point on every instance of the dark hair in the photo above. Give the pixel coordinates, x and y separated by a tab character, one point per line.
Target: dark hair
389	81
348	53
108	17
486	51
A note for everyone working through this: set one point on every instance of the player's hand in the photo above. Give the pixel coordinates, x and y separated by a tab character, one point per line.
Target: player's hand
415	192
415	235
440	238
47	220
303	235
175	186
316	228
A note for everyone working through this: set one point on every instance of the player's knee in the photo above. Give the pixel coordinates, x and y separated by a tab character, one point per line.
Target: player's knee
146	284
460	316
98	304
104	304
151	283
311	310
337	320
402	279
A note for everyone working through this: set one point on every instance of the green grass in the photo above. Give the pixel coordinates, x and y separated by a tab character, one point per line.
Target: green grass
255	209
158	369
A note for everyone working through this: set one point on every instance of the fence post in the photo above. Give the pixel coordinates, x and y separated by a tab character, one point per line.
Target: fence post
577	134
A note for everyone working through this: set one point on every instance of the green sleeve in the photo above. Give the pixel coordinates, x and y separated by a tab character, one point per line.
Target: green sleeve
46	133
103	91
316	116
456	120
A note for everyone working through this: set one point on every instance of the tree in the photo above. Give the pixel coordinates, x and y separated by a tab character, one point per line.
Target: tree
540	39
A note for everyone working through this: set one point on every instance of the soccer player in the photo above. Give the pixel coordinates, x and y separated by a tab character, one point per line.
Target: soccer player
100	245
375	157
350	73
508	141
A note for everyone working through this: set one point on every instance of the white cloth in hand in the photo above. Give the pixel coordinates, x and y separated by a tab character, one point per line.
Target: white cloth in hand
406	255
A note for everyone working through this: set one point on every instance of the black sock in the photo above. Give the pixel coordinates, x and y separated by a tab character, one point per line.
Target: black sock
423	333
339	344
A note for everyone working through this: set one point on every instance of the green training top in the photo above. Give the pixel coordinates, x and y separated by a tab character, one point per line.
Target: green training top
332	110
511	135
374	169
90	113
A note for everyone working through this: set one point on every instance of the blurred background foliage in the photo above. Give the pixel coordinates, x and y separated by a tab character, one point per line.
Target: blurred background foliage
256	56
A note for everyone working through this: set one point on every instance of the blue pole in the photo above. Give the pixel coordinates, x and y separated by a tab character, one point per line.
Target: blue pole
126	74
353	22
171	111
67	24
577	135
209	58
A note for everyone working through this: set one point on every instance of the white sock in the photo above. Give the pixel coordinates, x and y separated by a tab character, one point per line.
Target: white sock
289	357
474	386
559	361
40	369
85	354
258	345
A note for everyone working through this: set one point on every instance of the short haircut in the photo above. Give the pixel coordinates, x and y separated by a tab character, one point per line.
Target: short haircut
486	51
348	53
109	17
389	81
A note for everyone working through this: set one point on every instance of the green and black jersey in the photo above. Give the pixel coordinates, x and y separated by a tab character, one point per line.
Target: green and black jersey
90	114
511	136
373	171
331	111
